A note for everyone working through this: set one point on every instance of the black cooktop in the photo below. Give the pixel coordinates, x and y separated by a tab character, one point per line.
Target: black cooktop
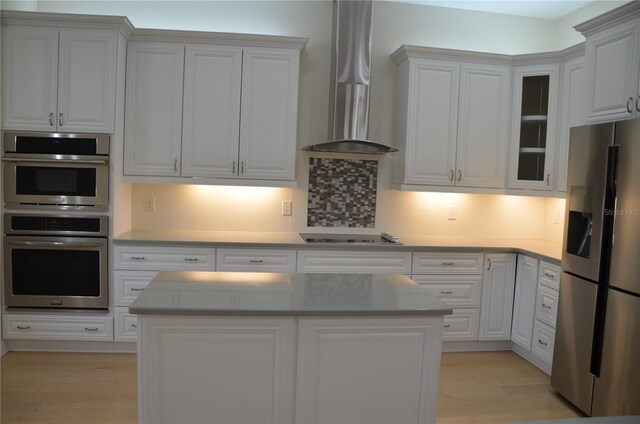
350	238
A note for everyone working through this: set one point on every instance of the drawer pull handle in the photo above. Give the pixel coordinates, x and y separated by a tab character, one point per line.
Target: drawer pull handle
91	328
138	258
549	275
134	325
136	289
23	327
191	259
446	291
546	306
256	261
448	263
543	343
446	326
629	105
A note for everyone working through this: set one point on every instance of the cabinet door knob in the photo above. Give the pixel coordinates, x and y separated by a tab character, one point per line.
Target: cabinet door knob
452	175
446	291
91	328
548	179
256	261
23	327
175	164
242	167
629	105
60	118
51	119
233	167
638	103
543	343
459	174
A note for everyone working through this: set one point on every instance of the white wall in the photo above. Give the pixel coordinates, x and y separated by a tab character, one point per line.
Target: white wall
566	36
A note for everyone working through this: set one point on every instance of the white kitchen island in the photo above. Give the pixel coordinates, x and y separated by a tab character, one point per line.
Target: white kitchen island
217	347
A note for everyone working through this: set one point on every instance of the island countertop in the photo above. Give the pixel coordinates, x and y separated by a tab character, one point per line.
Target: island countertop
285	294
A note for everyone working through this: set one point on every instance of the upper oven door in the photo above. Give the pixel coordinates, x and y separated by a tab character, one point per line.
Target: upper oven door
44	180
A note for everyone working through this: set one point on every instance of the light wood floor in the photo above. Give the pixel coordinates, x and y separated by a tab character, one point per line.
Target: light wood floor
79	388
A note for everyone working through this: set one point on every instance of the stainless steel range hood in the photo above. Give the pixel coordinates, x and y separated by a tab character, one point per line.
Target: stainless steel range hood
350	72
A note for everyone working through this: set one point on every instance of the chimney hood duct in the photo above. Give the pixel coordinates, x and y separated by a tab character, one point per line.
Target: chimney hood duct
350	70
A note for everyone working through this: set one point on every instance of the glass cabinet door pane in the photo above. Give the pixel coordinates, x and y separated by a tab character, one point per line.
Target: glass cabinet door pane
533	127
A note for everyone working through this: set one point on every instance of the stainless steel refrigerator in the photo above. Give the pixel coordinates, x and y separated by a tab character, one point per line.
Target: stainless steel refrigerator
596	361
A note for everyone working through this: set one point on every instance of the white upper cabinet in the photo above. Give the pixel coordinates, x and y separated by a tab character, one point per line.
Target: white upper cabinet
533	127
453	121
231	115
58	79
572	114
153	122
483	126
269	113
612	62
431	121
211	118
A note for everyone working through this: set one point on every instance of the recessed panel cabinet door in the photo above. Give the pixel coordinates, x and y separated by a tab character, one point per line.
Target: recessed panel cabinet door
211	121
483	127
524	301
268	119
153	121
87	81
611	73
432	121
497	296
29	78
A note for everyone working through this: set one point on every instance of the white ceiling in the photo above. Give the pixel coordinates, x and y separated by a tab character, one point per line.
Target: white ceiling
547	9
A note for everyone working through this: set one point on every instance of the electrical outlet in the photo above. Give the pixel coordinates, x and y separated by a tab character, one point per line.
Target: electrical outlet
286	208
150	204
453	212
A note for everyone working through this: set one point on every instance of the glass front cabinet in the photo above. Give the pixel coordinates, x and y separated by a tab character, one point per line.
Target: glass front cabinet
535	109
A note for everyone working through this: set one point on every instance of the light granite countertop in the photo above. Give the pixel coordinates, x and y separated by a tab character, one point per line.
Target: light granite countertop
283	294
542	249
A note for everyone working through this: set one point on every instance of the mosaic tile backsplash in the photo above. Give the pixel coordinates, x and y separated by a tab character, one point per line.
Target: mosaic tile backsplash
342	193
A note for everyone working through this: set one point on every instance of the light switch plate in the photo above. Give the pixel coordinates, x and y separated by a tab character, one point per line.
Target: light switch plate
286	208
453	212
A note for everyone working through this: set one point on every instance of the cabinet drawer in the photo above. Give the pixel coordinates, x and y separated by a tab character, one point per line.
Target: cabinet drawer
447	263
156	258
547	305
549	275
543	338
461	325
127	285
354	262
456	290
58	327
255	260
126	325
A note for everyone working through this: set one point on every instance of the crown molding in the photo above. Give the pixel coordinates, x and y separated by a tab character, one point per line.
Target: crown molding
625	13
67	20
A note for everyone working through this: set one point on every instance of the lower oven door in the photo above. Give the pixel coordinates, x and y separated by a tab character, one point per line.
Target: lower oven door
56	272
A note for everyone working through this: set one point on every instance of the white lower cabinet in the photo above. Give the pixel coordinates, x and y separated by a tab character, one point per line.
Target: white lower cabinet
523	303
497	296
345	374
260	260
354	261
461	325
125	325
456	278
57	326
537	305
216	369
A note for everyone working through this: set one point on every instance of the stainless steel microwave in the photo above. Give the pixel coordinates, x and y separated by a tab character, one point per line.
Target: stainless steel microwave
55	170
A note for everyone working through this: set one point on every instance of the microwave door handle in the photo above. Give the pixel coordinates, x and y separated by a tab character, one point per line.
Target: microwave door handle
54	243
78	161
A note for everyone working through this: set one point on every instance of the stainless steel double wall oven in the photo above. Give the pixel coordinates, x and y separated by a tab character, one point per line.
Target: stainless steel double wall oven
55	243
